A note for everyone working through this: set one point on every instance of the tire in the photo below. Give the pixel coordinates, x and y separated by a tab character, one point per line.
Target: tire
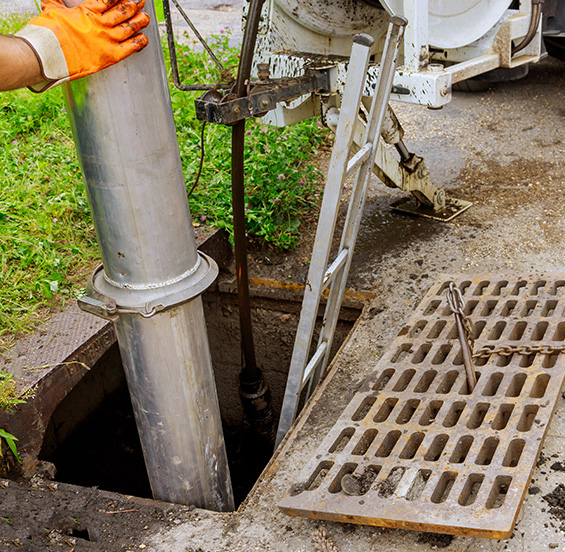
472	85
555	46
491	78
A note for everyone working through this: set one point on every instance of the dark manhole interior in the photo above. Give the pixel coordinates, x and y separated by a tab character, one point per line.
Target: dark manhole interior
92	438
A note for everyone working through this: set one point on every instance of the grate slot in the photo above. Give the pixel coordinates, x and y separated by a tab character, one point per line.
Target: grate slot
529	307
437	447
385	410
499	491
418	328
509	307
342	440
471	489
454	414
499	287
486	454
408	411
365	442
346	469
478	416
459	454
549	308
429	453
513	454
527	418
388	444
502	417
412	446
493	384
319	475
404	380
448	382
364	409
418	485
516	385
559	332
444	487
389	485
383	379
437	329
540	386
425	381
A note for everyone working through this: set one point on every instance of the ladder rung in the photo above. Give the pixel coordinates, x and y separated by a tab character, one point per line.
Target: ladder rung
358	158
334	268
314	361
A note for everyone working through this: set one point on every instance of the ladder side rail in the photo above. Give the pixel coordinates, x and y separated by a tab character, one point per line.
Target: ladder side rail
358	65
379	107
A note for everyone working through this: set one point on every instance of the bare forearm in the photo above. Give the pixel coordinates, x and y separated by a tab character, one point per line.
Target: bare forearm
19	66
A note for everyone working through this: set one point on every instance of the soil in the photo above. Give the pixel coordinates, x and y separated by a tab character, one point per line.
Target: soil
437	540
41	515
556	499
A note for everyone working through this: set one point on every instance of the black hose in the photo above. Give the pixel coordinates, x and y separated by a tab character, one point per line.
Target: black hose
533	29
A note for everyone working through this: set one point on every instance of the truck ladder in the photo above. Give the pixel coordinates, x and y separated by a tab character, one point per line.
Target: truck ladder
320	276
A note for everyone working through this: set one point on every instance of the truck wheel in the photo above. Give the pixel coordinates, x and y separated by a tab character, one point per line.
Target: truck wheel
555	46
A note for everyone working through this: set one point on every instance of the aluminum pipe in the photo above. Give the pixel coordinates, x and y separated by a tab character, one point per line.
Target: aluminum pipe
152	273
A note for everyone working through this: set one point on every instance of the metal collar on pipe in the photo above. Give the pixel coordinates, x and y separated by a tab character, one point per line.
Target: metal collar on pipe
107	299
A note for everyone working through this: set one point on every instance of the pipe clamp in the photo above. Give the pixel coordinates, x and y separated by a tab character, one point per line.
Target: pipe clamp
107	300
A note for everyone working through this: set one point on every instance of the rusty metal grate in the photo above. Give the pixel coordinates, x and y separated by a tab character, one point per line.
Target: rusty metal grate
414	449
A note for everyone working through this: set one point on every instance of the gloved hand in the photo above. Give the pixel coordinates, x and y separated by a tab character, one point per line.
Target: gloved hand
74	42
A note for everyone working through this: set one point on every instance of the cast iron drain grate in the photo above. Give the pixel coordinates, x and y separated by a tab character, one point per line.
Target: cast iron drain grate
414	449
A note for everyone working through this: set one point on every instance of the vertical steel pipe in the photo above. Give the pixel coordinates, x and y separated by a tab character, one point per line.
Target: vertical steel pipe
152	273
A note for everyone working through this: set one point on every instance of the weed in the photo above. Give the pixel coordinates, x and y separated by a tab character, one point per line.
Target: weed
11	441
9	399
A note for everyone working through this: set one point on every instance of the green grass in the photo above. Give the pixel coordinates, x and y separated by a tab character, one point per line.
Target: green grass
47	241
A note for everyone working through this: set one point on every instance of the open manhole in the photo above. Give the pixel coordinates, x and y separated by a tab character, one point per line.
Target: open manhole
91	436
414	449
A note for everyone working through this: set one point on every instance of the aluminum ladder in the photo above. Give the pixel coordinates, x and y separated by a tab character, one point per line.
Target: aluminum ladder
320	276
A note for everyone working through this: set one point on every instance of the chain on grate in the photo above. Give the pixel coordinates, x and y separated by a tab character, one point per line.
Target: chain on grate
457	306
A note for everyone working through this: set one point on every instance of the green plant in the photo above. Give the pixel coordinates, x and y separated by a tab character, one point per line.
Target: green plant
10	440
9	395
9	399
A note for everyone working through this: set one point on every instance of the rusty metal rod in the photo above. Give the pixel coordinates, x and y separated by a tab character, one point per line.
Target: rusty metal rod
250	370
255	395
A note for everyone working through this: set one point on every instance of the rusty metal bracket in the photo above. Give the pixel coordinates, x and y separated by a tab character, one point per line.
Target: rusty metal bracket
263	96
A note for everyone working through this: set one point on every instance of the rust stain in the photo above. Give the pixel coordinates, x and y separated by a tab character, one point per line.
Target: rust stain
299	288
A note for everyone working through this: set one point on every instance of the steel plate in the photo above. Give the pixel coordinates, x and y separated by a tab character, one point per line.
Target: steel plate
415	450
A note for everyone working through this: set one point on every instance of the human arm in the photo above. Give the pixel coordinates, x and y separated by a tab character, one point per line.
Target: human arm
18	64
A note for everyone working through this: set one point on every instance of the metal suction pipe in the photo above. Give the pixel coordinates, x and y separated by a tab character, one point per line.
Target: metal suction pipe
152	274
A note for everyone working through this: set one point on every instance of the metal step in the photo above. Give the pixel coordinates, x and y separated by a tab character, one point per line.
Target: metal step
414	450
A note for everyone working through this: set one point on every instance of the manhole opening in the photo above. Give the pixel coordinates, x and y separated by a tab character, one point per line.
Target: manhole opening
92	438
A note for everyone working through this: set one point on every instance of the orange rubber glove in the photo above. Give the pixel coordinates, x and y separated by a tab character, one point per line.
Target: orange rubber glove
74	42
